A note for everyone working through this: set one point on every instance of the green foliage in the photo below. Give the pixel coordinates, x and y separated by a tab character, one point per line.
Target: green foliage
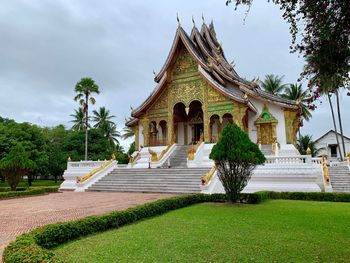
327	197
235	157
15	164
78	120
295	92
305	142
99	147
32	139
56	153
273	84
84	88
132	148
28	192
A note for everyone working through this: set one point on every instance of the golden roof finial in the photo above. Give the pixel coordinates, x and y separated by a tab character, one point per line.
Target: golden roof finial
194	22
178	20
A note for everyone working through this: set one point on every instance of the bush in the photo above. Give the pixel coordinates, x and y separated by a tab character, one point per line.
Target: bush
329	197
15	164
53	235
235	156
29	192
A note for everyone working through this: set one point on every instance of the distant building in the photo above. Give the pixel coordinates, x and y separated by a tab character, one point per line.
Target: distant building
329	144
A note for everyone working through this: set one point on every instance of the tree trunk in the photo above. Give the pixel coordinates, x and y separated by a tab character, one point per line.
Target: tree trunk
335	126
29	177
340	125
86	126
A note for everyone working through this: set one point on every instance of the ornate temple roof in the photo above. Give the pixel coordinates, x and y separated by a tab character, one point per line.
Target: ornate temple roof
205	48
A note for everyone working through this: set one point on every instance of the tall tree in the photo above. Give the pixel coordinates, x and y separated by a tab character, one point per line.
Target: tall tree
102	117
273	84
78	120
84	88
296	92
323	27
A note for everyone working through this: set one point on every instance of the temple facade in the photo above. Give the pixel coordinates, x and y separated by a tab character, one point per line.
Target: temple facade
198	92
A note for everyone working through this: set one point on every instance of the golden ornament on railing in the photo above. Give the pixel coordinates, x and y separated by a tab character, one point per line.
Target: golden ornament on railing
348	156
192	151
308	151
69	159
113	156
81	179
325	169
206	178
134	159
154	157
153	154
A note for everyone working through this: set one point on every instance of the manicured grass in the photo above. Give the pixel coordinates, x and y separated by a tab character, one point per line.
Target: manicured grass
274	231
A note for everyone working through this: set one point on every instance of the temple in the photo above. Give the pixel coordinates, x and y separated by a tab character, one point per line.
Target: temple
198	92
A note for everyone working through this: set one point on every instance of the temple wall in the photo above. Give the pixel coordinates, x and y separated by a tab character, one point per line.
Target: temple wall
276	111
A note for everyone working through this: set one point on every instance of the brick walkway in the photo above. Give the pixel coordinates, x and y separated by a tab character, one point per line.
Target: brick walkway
21	215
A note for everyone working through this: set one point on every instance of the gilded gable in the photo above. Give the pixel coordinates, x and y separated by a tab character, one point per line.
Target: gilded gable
184	65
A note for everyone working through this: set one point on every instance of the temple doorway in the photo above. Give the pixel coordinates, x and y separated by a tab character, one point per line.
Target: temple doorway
266	133
188	122
197	131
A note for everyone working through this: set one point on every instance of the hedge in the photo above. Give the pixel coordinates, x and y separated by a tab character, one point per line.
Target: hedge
307	196
8	189
29	192
34	246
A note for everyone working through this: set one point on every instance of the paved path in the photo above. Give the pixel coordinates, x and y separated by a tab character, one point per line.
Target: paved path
21	215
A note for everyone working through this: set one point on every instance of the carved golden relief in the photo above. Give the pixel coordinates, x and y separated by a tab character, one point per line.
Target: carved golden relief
266	127
187	92
184	64
215	96
292	124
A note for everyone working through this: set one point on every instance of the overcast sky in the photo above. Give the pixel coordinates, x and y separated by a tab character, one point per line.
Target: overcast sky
47	46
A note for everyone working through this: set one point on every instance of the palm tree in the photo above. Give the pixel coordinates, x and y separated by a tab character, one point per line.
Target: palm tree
79	120
305	142
84	88
329	84
112	134
127	131
273	84
102	117
296	92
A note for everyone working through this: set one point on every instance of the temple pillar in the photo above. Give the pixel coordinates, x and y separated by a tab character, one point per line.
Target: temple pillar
171	129
135	129
145	131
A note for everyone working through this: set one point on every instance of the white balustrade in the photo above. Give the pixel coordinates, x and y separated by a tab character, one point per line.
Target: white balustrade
297	159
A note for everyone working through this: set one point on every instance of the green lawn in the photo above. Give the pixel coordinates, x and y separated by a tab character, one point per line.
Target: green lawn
274	231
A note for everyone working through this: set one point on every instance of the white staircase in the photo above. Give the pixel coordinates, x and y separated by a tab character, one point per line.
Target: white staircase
266	149
340	178
157	180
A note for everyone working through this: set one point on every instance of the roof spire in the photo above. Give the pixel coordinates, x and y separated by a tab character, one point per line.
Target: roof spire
154	73
194	22
178	20
203	19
